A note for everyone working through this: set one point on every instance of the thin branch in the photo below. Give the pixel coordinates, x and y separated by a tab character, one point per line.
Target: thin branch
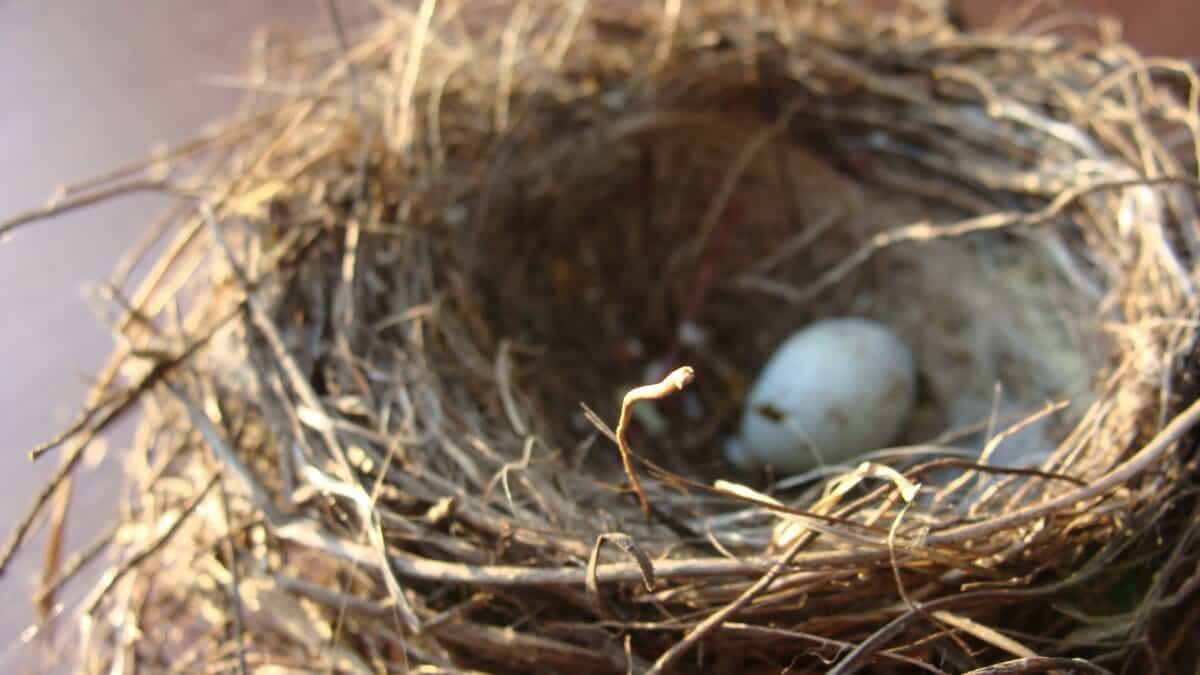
13	544
675	381
122	402
140	557
1121	474
265	325
717	618
77	562
781	633
58	521
860	654
1041	664
925	231
235	593
227	455
59	207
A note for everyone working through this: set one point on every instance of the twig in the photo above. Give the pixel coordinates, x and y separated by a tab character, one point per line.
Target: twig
234	130
526	652
410	566
924	231
262	321
733	175
327	596
58	208
816	521
675	381
717	618
98	595
122	402
227	455
145	243
43	496
994	442
735	627
626	544
562	42
412	67
670	24
58	522
986	633
126	398
1119	475
235	594
373	530
339	30
1041	664
855	659
76	562
510	42
345	299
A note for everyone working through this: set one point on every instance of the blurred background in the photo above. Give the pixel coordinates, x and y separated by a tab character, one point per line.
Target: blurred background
86	86
89	85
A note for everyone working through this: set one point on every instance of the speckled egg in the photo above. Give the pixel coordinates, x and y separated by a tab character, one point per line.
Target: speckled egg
832	391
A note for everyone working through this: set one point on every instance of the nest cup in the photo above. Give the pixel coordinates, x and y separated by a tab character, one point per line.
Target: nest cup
409	270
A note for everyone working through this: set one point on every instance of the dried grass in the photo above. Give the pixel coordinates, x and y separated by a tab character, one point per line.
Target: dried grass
428	241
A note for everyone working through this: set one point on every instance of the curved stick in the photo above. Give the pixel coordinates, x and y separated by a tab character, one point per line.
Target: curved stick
675	381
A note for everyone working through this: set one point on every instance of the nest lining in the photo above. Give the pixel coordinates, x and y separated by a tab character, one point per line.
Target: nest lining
605	296
398	289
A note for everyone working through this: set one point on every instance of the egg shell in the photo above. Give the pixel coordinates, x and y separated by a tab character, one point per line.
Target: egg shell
834	390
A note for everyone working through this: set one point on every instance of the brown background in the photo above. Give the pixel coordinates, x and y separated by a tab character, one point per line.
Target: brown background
85	85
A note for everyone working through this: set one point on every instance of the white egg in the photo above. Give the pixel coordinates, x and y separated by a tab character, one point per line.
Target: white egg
834	390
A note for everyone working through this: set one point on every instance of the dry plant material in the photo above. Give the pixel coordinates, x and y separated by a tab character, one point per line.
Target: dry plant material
391	281
675	381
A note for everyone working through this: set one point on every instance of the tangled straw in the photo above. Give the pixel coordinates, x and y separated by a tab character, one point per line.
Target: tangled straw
391	281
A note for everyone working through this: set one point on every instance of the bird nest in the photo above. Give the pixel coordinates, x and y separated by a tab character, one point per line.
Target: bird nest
413	288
